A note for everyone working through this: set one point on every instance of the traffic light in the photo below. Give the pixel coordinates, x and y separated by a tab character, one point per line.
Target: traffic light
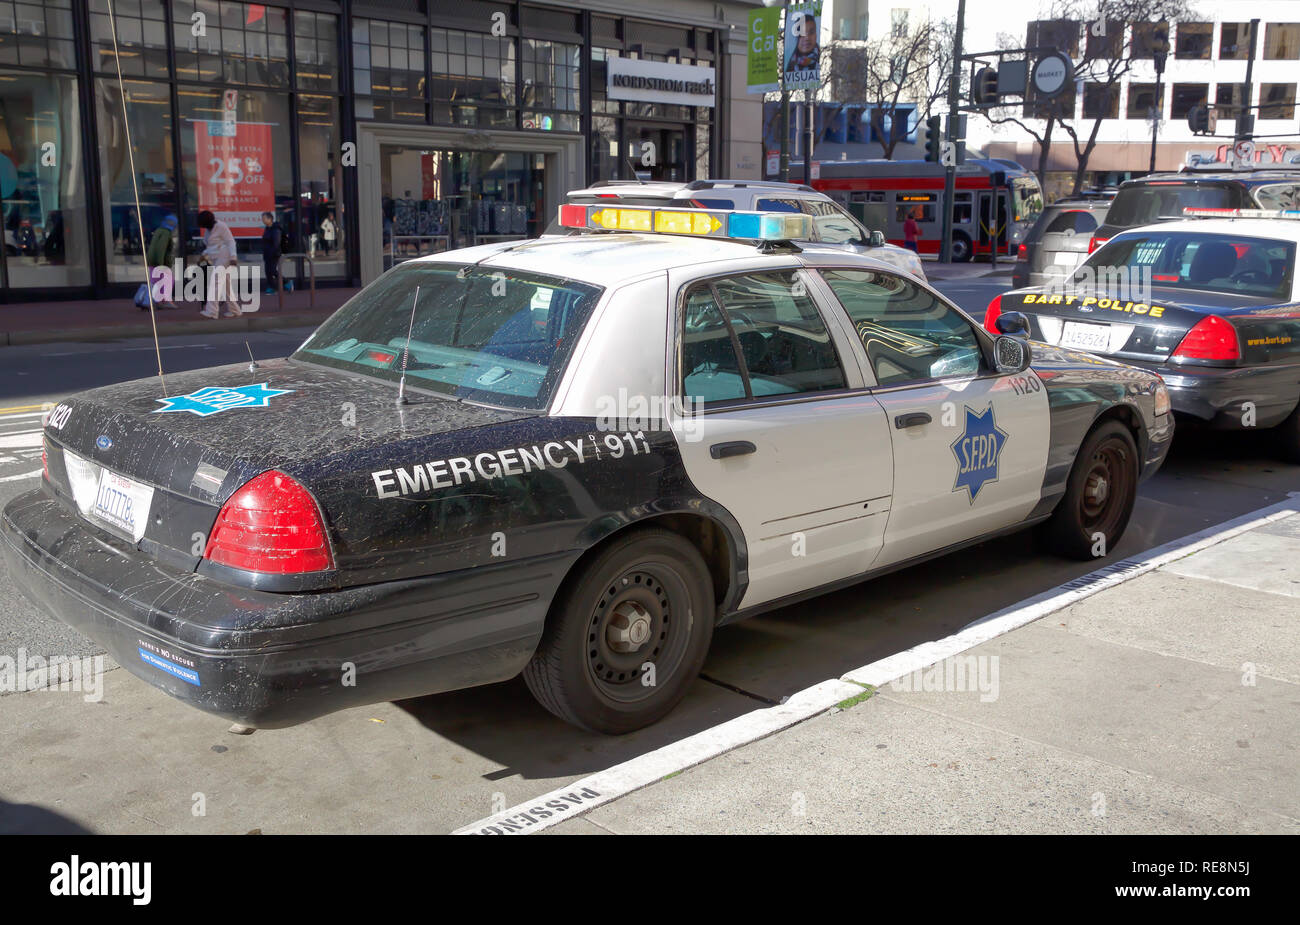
984	87
1202	119
933	137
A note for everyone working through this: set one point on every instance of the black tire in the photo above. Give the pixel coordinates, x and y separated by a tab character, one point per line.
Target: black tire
1288	436
961	249
655	584
1099	494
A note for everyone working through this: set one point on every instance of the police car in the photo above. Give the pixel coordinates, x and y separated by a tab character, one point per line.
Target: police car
1211	303
570	458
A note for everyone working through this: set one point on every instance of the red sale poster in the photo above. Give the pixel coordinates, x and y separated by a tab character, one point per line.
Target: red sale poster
235	164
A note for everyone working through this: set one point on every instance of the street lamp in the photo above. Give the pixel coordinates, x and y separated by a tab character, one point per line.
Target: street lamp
1159	53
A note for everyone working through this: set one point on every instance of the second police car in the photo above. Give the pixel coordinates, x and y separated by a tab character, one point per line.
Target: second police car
607	445
1211	303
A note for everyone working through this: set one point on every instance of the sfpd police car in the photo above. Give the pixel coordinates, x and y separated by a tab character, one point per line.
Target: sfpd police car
1212	304
605	447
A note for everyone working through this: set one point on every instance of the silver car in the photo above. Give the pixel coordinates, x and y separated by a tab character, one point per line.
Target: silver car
833	226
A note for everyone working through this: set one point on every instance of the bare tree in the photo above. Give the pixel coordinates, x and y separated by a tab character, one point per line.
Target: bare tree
899	70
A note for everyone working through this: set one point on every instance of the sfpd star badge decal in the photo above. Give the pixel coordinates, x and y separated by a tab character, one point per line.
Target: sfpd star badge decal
217	398
977	451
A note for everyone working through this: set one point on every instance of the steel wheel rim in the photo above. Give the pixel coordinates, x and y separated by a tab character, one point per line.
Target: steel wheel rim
1106	485
649	592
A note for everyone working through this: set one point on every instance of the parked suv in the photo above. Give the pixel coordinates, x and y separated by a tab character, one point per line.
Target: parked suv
833	226
1058	241
1161	197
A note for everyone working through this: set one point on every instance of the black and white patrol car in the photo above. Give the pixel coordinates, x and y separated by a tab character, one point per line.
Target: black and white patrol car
607	446
1210	304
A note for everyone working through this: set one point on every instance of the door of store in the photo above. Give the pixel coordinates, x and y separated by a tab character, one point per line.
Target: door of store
437	200
657	152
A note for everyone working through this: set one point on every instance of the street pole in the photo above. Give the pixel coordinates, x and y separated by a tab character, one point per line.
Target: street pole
1159	54
950	170
1246	116
808	137
785	104
1155	119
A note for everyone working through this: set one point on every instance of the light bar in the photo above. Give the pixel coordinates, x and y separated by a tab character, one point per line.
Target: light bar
1193	212
752	226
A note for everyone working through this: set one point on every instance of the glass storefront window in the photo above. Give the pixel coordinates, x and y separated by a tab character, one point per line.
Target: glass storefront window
37	34
238	43
388	65
606	164
148	107
320	193
42	194
316	50
141	38
552	75
437	200
473	78
237	170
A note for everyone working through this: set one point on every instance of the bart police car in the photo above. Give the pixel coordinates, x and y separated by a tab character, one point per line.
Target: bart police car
1211	303
605	446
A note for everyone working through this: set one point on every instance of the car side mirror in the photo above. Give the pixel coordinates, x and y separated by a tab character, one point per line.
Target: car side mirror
877	239
1013	323
1011	354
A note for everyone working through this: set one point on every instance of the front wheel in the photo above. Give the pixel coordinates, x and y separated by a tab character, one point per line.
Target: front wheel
627	635
1099	495
961	249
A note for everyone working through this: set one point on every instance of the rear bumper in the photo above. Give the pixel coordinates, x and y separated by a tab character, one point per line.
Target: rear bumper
1232	398
269	660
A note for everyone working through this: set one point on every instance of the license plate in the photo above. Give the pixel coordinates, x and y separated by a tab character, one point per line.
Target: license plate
1086	336
1067	258
123	503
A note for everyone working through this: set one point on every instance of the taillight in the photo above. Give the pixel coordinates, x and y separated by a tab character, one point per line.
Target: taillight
991	315
1095	242
1022	252
272	524
1211	338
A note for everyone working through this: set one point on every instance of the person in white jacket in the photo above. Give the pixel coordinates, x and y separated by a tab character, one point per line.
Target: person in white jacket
219	251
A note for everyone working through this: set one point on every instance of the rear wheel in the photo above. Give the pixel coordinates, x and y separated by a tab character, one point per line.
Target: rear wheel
1099	495
961	249
627	635
1288	433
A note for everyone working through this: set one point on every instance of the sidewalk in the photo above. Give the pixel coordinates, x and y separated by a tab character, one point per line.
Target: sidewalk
938	272
1164	704
110	319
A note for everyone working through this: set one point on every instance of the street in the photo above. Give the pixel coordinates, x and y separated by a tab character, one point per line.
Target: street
137	760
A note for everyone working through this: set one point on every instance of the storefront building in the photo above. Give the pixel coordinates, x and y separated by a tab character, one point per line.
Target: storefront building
373	132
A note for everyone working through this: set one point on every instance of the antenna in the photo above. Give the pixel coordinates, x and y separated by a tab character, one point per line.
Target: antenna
252	363
406	350
635	175
135	186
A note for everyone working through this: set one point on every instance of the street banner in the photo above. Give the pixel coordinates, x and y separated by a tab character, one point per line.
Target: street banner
235	173
803	47
764	56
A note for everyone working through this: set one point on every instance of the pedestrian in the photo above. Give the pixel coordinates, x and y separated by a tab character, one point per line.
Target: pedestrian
222	259
328	232
272	248
162	247
911	231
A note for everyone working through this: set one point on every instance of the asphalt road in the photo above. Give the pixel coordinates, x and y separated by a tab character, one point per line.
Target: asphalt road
468	750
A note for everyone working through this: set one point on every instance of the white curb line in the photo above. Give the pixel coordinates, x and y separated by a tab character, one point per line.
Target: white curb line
586	794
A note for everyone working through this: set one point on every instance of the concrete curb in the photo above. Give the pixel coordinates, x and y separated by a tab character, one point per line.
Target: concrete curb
258	321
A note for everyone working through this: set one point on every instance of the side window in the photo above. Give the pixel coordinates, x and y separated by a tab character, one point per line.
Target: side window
909	334
832	224
755	336
779	205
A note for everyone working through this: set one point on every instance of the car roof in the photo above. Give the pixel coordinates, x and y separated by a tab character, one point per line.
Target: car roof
1245	177
613	258
1281	229
668	188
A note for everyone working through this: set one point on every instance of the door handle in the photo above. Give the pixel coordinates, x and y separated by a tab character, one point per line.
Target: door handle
911	419
732	448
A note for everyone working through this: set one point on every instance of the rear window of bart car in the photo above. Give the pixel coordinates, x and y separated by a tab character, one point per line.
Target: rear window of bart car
1248	266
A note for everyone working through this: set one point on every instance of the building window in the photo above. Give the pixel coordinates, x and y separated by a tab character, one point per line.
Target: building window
320	185
1055	33
1228	99
1108	45
141	38
1193	40
1234	41
473	78
43	203
37	34
148	106
1141	100
242	43
1100	101
316	50
1276	101
388	65
552	81
1185	96
1282	41
1144	35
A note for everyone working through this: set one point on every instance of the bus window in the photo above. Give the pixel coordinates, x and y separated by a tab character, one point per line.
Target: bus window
962	210
919	206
